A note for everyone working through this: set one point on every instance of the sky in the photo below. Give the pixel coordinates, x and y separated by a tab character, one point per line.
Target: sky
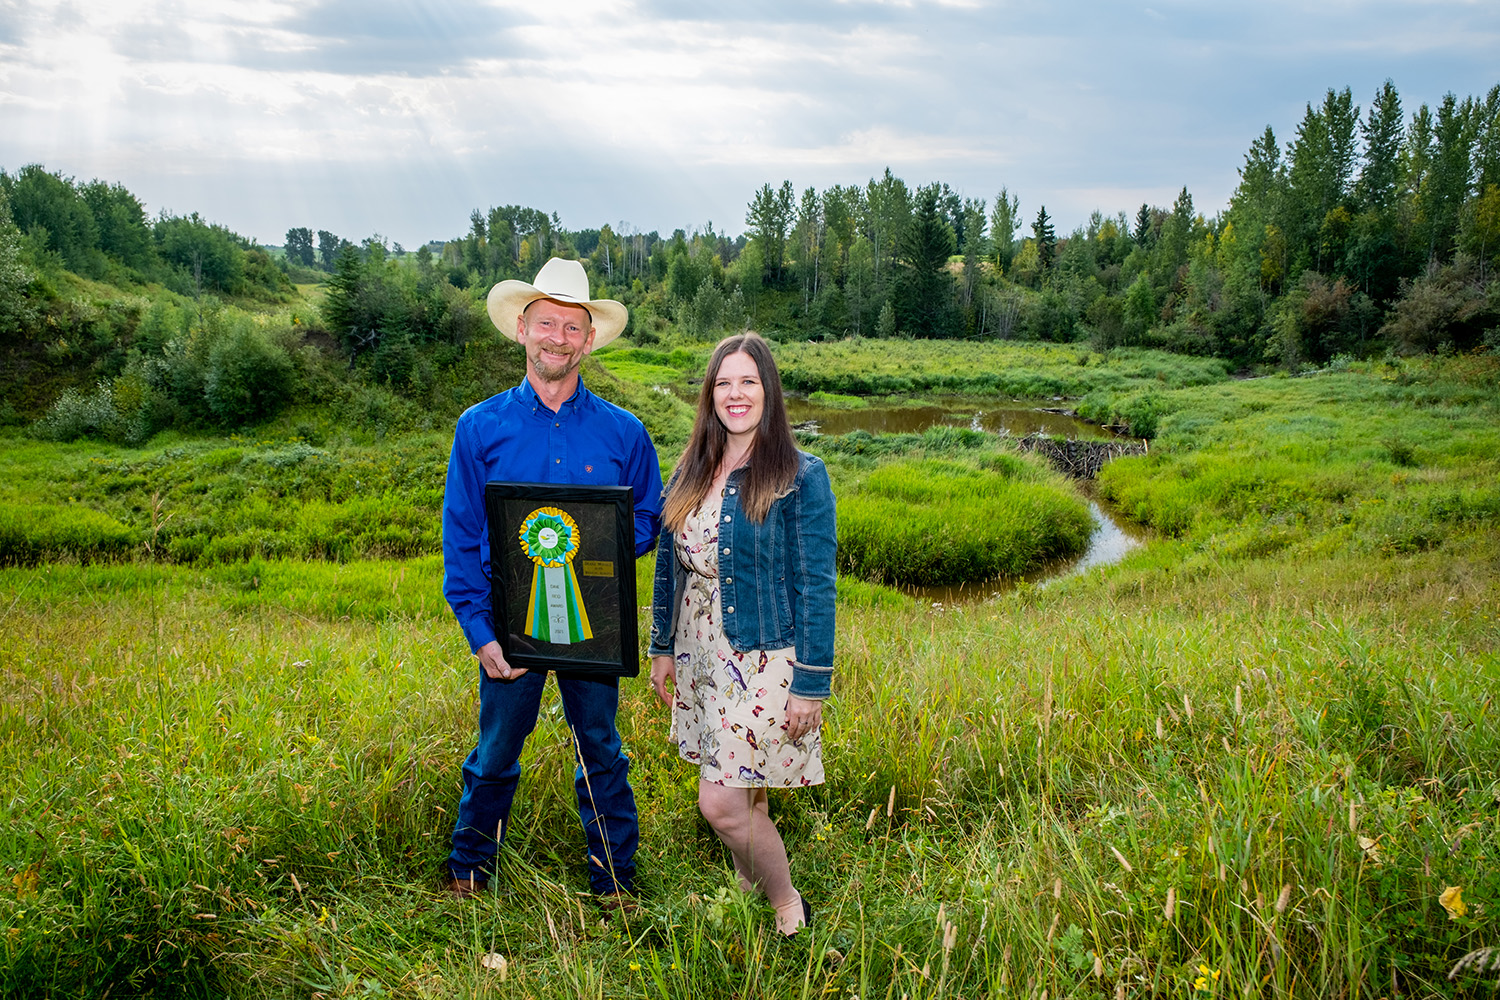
399	118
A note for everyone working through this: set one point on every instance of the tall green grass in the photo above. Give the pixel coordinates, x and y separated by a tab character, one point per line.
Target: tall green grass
218	786
1248	761
936	521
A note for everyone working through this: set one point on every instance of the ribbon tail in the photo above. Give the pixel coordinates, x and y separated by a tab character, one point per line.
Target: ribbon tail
578	618
537	602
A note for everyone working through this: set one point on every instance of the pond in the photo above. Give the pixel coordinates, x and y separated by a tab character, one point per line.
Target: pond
980	415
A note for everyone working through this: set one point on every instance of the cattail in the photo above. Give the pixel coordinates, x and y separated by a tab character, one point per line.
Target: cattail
1125	864
1283	900
890	804
1170	910
1223	872
1057	890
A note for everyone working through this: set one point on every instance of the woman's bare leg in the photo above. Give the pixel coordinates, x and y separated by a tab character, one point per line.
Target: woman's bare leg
741	817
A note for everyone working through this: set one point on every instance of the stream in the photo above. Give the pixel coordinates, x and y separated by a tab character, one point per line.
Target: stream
1113	535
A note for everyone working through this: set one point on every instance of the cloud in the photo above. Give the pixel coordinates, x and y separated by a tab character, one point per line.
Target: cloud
668	113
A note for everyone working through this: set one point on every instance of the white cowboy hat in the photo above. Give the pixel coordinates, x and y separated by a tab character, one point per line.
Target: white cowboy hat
562	281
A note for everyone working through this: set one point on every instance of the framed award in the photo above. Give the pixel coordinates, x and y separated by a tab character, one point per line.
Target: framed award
562	577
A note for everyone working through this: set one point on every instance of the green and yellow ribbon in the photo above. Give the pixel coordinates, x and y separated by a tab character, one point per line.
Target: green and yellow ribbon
555	613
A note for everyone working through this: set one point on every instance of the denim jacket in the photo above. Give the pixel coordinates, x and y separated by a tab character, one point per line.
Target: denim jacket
776	578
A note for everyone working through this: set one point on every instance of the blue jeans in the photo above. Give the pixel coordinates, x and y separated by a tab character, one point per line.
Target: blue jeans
606	805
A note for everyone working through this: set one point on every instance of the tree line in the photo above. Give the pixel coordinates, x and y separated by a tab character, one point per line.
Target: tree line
1368	230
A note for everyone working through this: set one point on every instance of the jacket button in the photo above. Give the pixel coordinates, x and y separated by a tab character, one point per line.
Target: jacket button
726	552
729	579
730	609
726	518
733	490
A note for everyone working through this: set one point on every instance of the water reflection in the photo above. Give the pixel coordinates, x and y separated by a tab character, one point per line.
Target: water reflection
979	415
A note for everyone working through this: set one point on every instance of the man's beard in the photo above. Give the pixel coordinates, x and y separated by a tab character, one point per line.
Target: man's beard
549	372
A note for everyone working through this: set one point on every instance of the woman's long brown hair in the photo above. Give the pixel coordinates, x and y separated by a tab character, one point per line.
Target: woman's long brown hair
773	457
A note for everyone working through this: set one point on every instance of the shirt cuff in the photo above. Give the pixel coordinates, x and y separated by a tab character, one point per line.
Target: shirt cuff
812	683
479	632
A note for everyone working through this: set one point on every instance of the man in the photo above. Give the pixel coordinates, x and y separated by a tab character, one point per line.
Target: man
548	429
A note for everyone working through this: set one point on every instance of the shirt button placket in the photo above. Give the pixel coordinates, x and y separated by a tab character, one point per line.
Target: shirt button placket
557	447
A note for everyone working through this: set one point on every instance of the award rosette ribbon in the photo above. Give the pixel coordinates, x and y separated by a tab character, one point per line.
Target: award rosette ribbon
555	613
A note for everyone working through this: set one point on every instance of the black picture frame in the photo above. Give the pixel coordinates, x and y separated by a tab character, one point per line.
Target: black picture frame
602	569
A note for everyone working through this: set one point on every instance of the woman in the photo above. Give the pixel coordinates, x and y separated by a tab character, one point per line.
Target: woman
742	613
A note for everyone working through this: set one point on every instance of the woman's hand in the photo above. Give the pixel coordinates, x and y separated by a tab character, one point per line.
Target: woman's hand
664	670
803	715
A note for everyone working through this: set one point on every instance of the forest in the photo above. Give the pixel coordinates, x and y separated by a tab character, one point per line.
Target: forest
1369	233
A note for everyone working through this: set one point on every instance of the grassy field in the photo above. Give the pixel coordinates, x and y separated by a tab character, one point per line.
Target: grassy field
1249	761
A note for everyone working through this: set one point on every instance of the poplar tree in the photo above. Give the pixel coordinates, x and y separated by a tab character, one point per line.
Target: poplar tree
1004	220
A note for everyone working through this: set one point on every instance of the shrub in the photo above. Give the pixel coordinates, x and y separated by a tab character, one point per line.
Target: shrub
37	532
75	415
247	377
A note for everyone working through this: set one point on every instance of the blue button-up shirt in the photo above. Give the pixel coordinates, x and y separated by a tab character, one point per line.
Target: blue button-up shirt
515	437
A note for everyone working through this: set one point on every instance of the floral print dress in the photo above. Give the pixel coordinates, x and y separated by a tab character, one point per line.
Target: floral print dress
729	708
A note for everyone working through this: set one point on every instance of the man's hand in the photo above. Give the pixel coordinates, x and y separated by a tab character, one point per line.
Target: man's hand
803	715
664	669
495	667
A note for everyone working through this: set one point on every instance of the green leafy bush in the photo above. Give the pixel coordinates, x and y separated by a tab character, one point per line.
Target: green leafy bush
33	533
248	377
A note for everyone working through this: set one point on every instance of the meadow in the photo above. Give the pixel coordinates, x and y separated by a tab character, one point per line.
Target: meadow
1255	759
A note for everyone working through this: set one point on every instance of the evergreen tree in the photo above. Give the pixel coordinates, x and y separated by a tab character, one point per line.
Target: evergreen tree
1046	241
1142	231
342	308
924	289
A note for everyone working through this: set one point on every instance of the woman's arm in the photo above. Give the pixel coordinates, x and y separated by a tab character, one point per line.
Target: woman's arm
662	597
812	546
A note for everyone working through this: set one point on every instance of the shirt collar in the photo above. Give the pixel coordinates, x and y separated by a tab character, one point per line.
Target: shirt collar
572	403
